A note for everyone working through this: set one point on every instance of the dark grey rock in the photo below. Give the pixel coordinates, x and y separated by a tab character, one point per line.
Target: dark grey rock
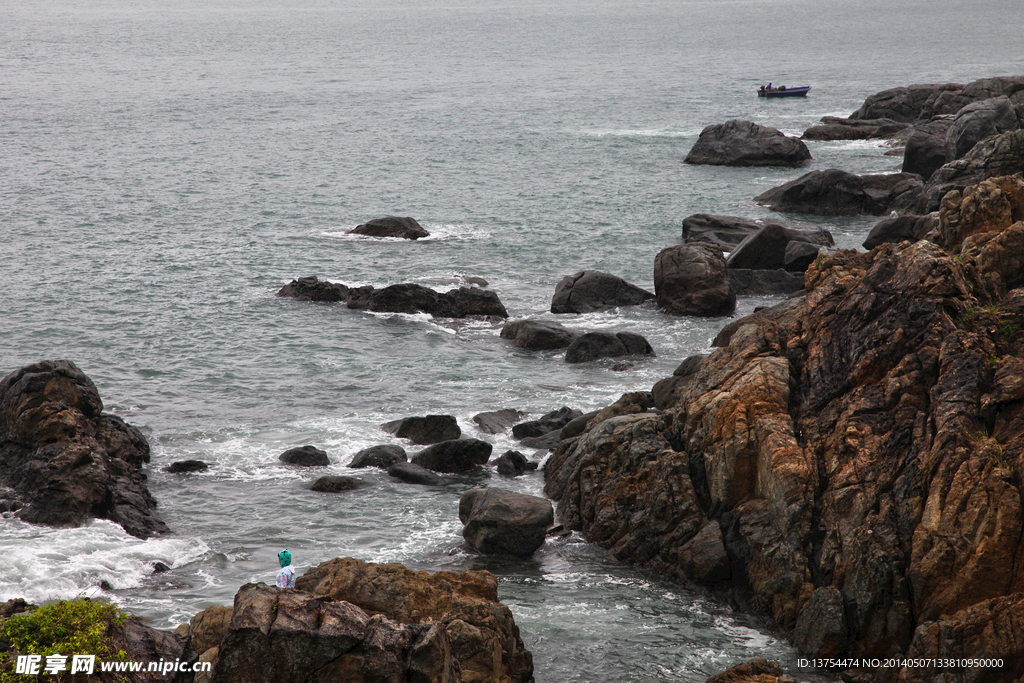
693	280
906	104
425	430
305	456
576	426
835	128
383	456
594	345
411	473
977	121
544	442
766	248
513	464
992	157
799	256
837	193
183	466
538	334
336	484
311	288
499	522
548	422
743	143
392	226
590	290
160	567
925	151
901	228
723	232
497	421
457	456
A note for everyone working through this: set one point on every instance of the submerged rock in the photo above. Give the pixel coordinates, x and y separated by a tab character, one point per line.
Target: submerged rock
305	456
513	464
392	226
336	484
401	298
411	473
184	466
538	334
66	460
500	522
383	456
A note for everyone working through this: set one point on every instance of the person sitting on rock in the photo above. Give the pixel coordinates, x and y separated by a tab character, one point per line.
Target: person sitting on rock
286	577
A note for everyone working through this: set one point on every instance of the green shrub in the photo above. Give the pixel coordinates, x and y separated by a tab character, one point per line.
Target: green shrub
66	627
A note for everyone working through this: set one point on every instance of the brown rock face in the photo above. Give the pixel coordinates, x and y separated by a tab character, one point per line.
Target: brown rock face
67	461
484	637
290	635
861	452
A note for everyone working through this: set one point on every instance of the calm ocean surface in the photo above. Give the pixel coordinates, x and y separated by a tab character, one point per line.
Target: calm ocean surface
166	167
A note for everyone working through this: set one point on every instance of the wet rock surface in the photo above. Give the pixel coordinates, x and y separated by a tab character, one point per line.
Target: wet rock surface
392	226
591	290
65	459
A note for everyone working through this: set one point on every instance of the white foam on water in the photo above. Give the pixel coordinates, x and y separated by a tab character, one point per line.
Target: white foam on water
40	564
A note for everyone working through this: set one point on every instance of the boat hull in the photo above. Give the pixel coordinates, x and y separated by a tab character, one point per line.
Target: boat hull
788	92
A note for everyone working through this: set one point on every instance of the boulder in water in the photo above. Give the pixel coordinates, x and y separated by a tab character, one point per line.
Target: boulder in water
305	456
392	226
500	522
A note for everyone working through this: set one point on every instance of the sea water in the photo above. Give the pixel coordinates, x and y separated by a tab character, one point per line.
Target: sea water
166	167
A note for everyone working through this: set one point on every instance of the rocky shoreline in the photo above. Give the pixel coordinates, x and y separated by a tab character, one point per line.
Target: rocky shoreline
847	464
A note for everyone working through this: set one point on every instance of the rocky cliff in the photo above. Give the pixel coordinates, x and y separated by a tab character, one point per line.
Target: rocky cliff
849	464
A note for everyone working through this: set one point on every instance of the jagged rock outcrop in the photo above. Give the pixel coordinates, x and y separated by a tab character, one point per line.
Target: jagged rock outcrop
757	670
392	226
855	455
485	639
591	290
401	298
744	143
993	157
837	193
67	461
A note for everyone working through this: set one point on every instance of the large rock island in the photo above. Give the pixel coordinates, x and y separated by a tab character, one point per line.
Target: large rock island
848	464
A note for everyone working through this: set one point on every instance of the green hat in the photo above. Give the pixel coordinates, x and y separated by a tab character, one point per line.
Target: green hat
285	557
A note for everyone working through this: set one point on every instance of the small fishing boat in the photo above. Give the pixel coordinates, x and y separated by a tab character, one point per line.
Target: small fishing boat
783	91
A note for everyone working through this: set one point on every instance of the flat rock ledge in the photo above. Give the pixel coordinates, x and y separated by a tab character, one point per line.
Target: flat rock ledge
402	298
67	461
